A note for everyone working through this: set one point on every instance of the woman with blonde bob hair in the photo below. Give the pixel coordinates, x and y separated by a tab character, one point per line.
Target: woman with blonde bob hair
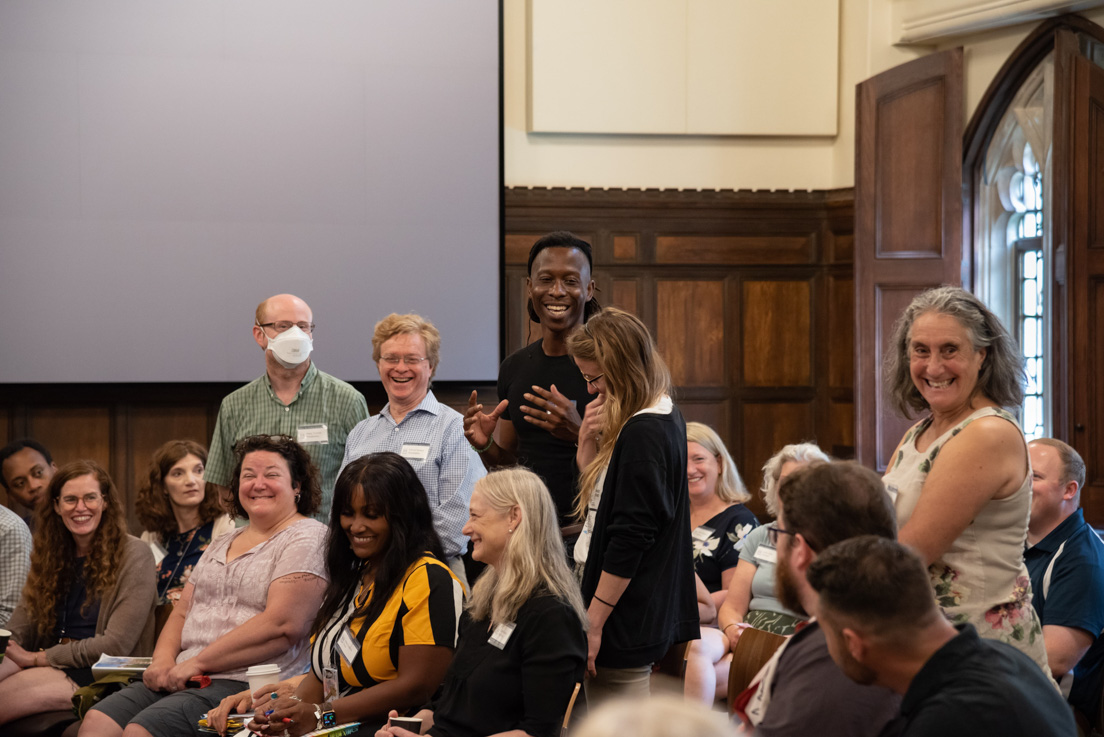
718	517
91	591
521	648
635	548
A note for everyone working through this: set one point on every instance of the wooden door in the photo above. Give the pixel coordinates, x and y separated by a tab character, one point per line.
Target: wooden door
908	219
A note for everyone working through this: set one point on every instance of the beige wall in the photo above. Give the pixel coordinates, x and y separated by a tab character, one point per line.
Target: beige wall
729	162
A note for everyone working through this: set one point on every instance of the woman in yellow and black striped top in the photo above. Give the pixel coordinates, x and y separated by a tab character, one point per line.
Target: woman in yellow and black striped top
387	626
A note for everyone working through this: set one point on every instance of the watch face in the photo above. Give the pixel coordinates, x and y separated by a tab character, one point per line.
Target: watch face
329	719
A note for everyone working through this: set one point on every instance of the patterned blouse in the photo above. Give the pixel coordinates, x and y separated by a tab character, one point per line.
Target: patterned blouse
717	543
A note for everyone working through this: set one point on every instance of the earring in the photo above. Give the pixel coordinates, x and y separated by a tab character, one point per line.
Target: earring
510	531
297	498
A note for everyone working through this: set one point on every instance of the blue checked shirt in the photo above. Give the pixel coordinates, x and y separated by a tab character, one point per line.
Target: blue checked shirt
449	471
15	554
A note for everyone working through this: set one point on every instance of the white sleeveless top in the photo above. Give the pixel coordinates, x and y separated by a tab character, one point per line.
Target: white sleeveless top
981	578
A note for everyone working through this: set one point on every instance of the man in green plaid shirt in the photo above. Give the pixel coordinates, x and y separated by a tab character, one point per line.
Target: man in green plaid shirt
291	398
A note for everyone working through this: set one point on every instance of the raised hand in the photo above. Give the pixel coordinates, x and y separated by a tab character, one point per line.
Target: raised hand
478	426
554	412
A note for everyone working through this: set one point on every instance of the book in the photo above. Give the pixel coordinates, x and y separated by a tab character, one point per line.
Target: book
108	664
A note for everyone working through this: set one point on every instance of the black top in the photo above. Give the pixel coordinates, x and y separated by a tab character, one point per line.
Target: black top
718	542
524	685
642	532
538	450
74	620
974	687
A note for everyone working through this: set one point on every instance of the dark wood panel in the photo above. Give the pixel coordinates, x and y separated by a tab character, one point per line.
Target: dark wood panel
625	295
690	330
777	345
765	429
733	249
74	433
624	248
841	331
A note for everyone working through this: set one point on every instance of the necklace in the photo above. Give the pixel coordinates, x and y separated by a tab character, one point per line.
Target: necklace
163	590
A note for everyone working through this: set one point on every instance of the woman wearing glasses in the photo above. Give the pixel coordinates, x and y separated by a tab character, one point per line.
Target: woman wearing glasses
635	548
429	435
182	514
91	591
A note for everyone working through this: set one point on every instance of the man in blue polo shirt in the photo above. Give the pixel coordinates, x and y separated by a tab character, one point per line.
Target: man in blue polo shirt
1066	561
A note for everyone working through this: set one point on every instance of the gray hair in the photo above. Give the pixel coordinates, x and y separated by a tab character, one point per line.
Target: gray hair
1001	378
797	453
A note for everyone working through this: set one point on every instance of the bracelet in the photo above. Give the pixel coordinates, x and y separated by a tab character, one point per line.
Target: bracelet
725	628
481	451
611	606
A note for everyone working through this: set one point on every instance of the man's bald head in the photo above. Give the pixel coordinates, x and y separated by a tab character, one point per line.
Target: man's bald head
280	304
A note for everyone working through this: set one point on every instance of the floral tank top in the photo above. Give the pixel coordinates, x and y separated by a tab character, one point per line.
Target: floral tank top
981	578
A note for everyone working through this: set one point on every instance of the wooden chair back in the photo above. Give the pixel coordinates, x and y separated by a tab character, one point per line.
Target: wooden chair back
570	707
753	650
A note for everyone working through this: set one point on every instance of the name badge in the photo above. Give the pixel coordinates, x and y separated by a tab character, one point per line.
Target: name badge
313	434
347	646
501	635
701	534
892	491
765	554
330	690
159	552
415	451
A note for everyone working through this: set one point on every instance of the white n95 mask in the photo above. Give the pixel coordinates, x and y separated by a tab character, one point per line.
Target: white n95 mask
291	347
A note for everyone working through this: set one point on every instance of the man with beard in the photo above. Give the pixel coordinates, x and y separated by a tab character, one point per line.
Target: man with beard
801	691
883	627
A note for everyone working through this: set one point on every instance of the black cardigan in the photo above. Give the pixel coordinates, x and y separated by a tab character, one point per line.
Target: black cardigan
642	532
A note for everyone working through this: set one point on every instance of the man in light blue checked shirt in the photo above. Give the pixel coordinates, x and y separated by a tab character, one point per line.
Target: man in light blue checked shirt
429	435
15	552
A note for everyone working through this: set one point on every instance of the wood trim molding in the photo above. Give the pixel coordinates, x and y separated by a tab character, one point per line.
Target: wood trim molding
932	21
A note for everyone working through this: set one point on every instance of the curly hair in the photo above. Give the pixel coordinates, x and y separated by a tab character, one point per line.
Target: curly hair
394	325
636	377
304	474
1001	377
392	490
54	556
153	507
800	453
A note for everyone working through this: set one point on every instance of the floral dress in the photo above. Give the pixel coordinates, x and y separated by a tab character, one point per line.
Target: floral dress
981	578
718	542
183	552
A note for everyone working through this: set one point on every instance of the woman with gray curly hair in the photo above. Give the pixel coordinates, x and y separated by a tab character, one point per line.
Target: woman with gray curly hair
750	601
961	479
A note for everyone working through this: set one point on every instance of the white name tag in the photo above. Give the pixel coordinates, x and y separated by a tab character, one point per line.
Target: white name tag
347	646
765	554
501	635
159	552
701	534
313	434
892	491
415	451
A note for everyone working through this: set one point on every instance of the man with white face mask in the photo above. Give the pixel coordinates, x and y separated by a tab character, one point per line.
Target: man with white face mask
292	398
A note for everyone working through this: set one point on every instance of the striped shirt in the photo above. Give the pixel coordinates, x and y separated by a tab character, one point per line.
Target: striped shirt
424	609
431	438
15	552
255	409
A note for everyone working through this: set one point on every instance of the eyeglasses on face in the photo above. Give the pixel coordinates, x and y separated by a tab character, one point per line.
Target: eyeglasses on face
412	361
91	501
283	325
774	533
592	380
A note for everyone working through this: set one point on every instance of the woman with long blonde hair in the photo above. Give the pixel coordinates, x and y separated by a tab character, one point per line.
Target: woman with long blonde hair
91	591
521	648
635	548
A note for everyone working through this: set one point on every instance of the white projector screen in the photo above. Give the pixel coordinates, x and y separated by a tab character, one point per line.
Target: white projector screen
166	166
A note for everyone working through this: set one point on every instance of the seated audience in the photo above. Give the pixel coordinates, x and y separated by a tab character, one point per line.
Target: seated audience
91	591
800	692
1065	559
182	515
429	435
750	601
884	628
250	601
15	551
390	590
718	517
522	647
26	468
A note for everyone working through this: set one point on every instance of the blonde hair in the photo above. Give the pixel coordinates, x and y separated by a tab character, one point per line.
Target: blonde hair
411	324
803	453
636	377
730	487
533	561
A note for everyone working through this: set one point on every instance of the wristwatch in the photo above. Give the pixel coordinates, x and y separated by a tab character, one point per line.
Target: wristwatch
324	713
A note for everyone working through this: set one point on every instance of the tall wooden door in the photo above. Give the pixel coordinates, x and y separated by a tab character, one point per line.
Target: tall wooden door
908	219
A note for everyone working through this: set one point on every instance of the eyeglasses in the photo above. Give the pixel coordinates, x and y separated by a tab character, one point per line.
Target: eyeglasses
91	501
405	360
773	533
593	381
283	325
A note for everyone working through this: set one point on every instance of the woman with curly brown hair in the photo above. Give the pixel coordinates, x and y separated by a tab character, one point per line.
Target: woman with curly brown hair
91	591
181	514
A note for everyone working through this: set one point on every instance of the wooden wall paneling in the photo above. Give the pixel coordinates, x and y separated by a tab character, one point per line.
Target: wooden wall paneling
625	247
776	324
768	426
702	249
690	330
841	430
840	334
75	432
625	295
150	427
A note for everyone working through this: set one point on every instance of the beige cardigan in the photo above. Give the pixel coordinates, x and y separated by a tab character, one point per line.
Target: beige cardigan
124	626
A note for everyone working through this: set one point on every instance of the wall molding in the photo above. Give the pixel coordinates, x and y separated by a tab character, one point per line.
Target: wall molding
930	21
